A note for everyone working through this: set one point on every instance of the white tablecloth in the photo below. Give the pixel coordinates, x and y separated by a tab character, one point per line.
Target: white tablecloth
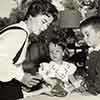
74	96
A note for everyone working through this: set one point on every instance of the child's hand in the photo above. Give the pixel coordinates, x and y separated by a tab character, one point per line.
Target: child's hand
77	83
51	82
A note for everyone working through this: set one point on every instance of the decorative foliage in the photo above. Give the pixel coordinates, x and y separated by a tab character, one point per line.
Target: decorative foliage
4	22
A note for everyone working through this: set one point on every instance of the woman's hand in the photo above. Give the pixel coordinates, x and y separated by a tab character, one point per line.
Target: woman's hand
30	80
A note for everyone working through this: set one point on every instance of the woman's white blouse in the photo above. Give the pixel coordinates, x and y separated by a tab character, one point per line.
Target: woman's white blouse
10	43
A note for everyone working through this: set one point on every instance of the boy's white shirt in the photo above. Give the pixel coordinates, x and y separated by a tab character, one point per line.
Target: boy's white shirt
97	48
10	43
91	49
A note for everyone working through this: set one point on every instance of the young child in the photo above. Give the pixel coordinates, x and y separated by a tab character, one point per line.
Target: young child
58	74
90	28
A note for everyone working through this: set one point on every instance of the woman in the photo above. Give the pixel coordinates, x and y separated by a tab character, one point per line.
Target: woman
38	17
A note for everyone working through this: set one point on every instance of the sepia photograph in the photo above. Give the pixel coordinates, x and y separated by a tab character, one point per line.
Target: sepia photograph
49	49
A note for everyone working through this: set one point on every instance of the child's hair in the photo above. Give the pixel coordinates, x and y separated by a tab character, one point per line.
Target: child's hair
41	7
94	21
58	42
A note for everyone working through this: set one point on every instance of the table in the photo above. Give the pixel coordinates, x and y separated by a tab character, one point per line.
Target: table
71	97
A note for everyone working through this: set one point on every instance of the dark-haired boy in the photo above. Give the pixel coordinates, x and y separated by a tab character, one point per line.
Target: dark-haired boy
90	28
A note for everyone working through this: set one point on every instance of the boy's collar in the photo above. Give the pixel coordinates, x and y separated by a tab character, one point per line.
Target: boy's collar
97	48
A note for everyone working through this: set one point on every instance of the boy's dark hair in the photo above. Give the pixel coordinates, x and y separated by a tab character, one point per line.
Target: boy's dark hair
94	21
41	7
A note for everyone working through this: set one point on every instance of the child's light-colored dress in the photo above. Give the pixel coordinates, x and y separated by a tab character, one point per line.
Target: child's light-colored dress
62	72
